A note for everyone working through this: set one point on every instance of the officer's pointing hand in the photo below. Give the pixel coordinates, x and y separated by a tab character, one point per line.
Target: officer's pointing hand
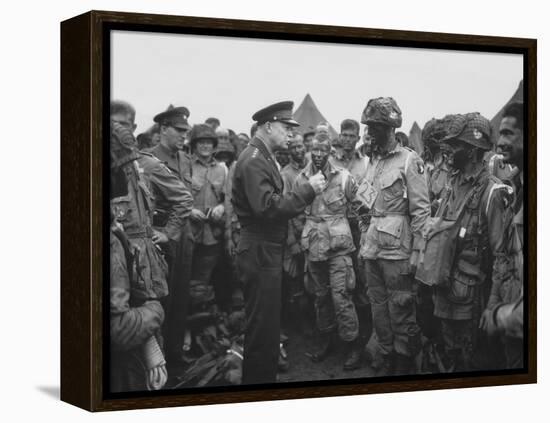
318	182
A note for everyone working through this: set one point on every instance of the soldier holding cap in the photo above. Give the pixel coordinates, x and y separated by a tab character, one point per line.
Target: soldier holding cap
396	187
208	182
263	211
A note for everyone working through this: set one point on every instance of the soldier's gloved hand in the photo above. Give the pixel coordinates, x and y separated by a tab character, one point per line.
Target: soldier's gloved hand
197	215
159	237
155	365
217	212
318	182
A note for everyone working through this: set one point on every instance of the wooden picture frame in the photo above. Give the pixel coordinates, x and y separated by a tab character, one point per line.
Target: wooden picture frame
85	82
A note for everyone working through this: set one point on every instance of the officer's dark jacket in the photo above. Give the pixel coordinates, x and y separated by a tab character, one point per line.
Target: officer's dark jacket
172	198
257	193
178	162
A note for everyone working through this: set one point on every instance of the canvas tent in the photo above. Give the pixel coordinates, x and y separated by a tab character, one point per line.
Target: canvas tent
415	139
309	116
495	122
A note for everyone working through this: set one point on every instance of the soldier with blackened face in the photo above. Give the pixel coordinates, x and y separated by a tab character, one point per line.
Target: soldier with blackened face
328	244
397	191
475	203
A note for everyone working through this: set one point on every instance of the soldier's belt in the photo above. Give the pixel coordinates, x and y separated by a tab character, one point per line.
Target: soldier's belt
324	218
272	233
145	232
376	213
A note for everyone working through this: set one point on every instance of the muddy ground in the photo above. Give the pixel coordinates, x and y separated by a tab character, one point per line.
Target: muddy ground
303	369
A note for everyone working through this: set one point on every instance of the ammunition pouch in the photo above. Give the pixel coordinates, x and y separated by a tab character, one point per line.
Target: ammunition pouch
437	252
160	218
466	277
389	230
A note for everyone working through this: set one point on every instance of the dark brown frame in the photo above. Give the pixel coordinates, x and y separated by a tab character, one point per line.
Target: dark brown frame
82	208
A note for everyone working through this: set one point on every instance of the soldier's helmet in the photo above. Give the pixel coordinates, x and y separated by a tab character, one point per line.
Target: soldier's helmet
225	146
471	128
382	110
202	131
435	130
123	146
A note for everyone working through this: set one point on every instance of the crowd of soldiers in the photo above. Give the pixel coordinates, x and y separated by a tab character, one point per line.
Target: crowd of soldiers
222	245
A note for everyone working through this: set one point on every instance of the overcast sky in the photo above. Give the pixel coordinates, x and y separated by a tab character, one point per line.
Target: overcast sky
231	78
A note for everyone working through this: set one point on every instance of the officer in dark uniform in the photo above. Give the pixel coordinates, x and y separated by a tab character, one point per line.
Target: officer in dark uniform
263	211
173	132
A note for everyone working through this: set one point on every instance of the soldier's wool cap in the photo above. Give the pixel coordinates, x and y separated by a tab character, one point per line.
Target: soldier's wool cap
471	128
202	131
382	110
278	112
174	116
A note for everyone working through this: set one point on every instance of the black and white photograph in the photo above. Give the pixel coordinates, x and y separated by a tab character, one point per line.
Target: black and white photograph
293	211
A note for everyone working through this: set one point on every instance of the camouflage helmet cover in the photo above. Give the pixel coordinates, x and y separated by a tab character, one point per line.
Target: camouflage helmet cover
382	110
471	128
435	130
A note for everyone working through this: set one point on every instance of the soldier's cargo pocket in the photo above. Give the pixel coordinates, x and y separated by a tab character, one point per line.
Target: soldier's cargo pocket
340	235
463	283
392	187
389	230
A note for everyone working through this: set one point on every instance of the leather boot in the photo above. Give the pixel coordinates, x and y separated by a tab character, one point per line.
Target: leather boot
403	365
382	365
325	345
283	364
353	355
